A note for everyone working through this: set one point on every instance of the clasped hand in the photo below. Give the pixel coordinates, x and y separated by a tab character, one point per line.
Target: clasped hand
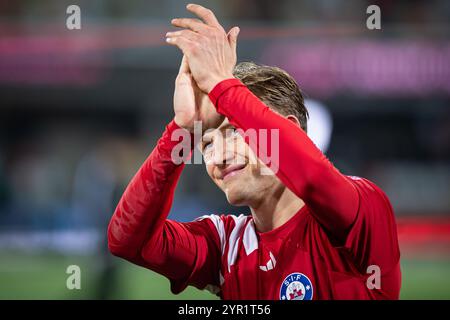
209	57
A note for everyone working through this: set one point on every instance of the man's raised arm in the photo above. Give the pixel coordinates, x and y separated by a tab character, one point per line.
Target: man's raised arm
146	202
139	231
302	167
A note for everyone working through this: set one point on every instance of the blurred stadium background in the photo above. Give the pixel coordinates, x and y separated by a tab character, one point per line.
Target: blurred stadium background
80	111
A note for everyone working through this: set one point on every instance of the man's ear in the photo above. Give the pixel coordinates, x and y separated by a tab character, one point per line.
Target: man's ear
294	119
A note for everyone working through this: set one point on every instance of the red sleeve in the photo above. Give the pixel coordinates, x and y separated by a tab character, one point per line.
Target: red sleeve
372	239
302	167
139	231
187	254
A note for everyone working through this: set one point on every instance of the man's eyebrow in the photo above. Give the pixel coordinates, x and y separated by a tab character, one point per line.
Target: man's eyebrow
227	126
208	136
205	138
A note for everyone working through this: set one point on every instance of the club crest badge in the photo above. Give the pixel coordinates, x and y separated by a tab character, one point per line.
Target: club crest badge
296	286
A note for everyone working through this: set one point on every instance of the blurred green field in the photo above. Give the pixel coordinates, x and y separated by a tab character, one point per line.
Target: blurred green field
44	276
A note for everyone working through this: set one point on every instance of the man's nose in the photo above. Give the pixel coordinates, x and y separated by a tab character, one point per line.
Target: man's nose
224	154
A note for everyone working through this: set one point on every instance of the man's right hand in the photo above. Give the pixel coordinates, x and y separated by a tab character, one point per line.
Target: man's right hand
191	104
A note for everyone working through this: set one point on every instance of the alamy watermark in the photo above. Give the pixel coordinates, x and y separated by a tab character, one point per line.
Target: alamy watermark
73	281
226	148
73	21
374	280
373	21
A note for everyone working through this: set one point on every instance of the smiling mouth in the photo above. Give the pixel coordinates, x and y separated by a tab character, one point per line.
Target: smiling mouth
233	171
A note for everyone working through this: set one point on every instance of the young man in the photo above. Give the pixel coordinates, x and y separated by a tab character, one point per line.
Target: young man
313	232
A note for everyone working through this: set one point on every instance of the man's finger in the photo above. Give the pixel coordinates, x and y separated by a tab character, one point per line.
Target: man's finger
182	43
232	37
188	34
204	14
188	23
184	66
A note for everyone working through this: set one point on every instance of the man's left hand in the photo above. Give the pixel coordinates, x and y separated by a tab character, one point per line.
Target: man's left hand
210	51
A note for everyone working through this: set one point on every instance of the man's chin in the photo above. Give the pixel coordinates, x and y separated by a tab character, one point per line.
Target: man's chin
235	197
238	203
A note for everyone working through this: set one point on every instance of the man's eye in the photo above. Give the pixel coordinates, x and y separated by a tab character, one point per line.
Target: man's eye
234	132
207	146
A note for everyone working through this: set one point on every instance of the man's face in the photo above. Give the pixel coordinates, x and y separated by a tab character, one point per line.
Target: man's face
234	167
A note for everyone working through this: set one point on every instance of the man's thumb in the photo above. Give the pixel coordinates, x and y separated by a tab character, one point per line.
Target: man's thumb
232	36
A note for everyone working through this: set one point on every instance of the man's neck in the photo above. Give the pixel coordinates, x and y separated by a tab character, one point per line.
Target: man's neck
275	209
